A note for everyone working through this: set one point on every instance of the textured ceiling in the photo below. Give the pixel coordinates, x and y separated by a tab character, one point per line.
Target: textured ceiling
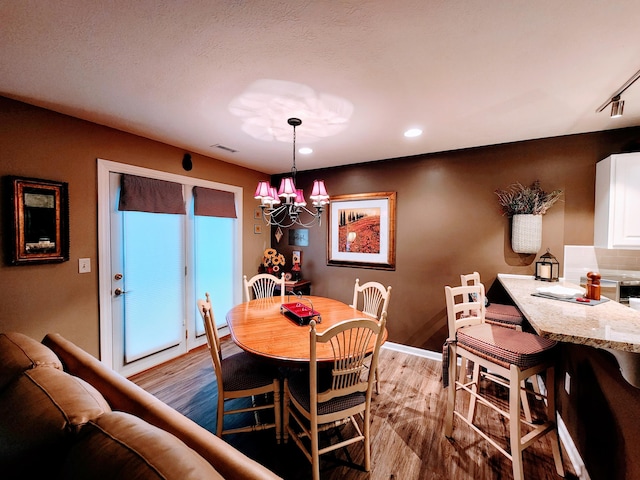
467	73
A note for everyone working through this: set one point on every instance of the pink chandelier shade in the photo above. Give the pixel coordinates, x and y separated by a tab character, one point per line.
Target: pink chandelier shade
284	207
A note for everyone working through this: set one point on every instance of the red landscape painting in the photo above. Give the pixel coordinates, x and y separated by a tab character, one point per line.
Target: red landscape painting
359	230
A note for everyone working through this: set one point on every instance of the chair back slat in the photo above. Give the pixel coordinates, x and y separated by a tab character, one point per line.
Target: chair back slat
375	298
470	279
465	306
350	341
263	285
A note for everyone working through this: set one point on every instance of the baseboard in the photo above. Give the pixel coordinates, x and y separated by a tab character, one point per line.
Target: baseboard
572	451
418	352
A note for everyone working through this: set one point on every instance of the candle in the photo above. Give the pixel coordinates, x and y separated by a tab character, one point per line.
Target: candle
545	272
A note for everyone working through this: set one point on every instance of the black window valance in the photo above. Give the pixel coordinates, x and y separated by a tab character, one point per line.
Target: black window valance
214	203
143	194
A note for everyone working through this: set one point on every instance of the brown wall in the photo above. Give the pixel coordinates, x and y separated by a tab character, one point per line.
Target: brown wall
37	299
448	221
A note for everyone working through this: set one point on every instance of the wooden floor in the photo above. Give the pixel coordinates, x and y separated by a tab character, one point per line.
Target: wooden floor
407	430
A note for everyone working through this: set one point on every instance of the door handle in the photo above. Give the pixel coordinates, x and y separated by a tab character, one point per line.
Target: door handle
118	291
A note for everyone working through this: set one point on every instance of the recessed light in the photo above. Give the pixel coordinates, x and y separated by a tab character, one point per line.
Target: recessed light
413	132
305	150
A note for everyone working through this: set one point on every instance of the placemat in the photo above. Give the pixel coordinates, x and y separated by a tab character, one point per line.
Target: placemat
572	300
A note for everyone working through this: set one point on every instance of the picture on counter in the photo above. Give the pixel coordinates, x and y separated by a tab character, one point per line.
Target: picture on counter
39	230
362	230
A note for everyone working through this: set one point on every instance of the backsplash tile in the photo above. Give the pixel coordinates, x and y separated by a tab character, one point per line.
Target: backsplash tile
618	259
580	259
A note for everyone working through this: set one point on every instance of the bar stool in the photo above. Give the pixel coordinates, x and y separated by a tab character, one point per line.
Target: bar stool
496	313
505	356
504	316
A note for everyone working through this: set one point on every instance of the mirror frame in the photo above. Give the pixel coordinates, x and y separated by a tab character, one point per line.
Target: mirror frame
19	251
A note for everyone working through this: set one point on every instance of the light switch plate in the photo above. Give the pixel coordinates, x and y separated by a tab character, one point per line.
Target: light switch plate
84	265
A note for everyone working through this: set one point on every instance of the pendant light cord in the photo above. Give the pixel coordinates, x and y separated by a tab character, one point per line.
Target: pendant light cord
293	169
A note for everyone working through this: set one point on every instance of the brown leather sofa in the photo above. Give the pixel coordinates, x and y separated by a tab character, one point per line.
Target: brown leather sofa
63	414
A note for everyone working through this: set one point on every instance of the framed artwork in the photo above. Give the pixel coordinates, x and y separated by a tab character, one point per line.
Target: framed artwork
299	237
362	231
39	226
257	229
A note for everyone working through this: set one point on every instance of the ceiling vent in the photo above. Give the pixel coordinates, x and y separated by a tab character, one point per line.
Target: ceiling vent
222	147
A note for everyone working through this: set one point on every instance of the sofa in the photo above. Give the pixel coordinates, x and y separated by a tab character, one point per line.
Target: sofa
65	415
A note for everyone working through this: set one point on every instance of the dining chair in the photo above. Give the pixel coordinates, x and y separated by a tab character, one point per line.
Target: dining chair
263	285
238	376
371	298
498	313
333	396
502	355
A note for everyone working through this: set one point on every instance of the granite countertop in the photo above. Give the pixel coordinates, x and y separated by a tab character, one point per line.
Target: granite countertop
609	325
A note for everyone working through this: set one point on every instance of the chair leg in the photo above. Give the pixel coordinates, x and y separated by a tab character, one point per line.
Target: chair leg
525	401
376	380
367	443
277	409
464	365
285	412
475	387
315	455
514	423
536	386
451	394
551	416
220	414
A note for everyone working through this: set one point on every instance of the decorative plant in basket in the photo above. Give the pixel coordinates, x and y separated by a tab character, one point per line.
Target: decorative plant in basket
526	205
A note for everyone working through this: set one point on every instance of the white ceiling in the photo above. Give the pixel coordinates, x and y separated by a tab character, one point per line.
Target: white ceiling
469	73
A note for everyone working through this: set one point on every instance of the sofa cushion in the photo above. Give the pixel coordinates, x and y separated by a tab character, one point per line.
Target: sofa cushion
19	353
119	445
41	411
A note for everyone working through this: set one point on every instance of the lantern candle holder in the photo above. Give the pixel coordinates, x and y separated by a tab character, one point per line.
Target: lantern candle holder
547	268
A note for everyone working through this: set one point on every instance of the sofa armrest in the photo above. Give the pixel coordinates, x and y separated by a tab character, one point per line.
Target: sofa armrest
126	396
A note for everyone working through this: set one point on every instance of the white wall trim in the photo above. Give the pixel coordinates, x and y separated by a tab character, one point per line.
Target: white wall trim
418	352
572	451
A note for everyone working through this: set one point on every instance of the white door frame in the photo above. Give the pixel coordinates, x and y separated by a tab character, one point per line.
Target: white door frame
105	167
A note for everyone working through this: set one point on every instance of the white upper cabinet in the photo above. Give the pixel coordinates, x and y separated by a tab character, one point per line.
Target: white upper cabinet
617	209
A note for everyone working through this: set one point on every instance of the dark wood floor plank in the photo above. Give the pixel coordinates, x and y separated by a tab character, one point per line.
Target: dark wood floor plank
407	427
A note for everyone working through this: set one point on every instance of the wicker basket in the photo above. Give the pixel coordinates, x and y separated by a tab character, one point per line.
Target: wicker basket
526	234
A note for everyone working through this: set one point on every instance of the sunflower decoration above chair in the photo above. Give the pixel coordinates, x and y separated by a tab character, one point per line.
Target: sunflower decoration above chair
272	262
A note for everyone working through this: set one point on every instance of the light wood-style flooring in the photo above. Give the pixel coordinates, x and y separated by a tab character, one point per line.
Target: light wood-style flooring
407	431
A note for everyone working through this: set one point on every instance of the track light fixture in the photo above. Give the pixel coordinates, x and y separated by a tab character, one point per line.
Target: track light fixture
617	105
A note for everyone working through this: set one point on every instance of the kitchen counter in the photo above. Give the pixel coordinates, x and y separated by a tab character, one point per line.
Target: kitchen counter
608	325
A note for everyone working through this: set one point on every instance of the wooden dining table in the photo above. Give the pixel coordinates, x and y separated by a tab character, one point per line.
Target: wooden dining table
261	328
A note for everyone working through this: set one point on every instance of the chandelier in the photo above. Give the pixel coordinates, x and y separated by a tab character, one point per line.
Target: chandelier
286	206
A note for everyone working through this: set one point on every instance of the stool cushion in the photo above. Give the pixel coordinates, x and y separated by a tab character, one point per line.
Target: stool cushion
505	346
503	315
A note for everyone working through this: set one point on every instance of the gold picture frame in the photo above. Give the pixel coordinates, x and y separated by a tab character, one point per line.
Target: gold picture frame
362	231
39	228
